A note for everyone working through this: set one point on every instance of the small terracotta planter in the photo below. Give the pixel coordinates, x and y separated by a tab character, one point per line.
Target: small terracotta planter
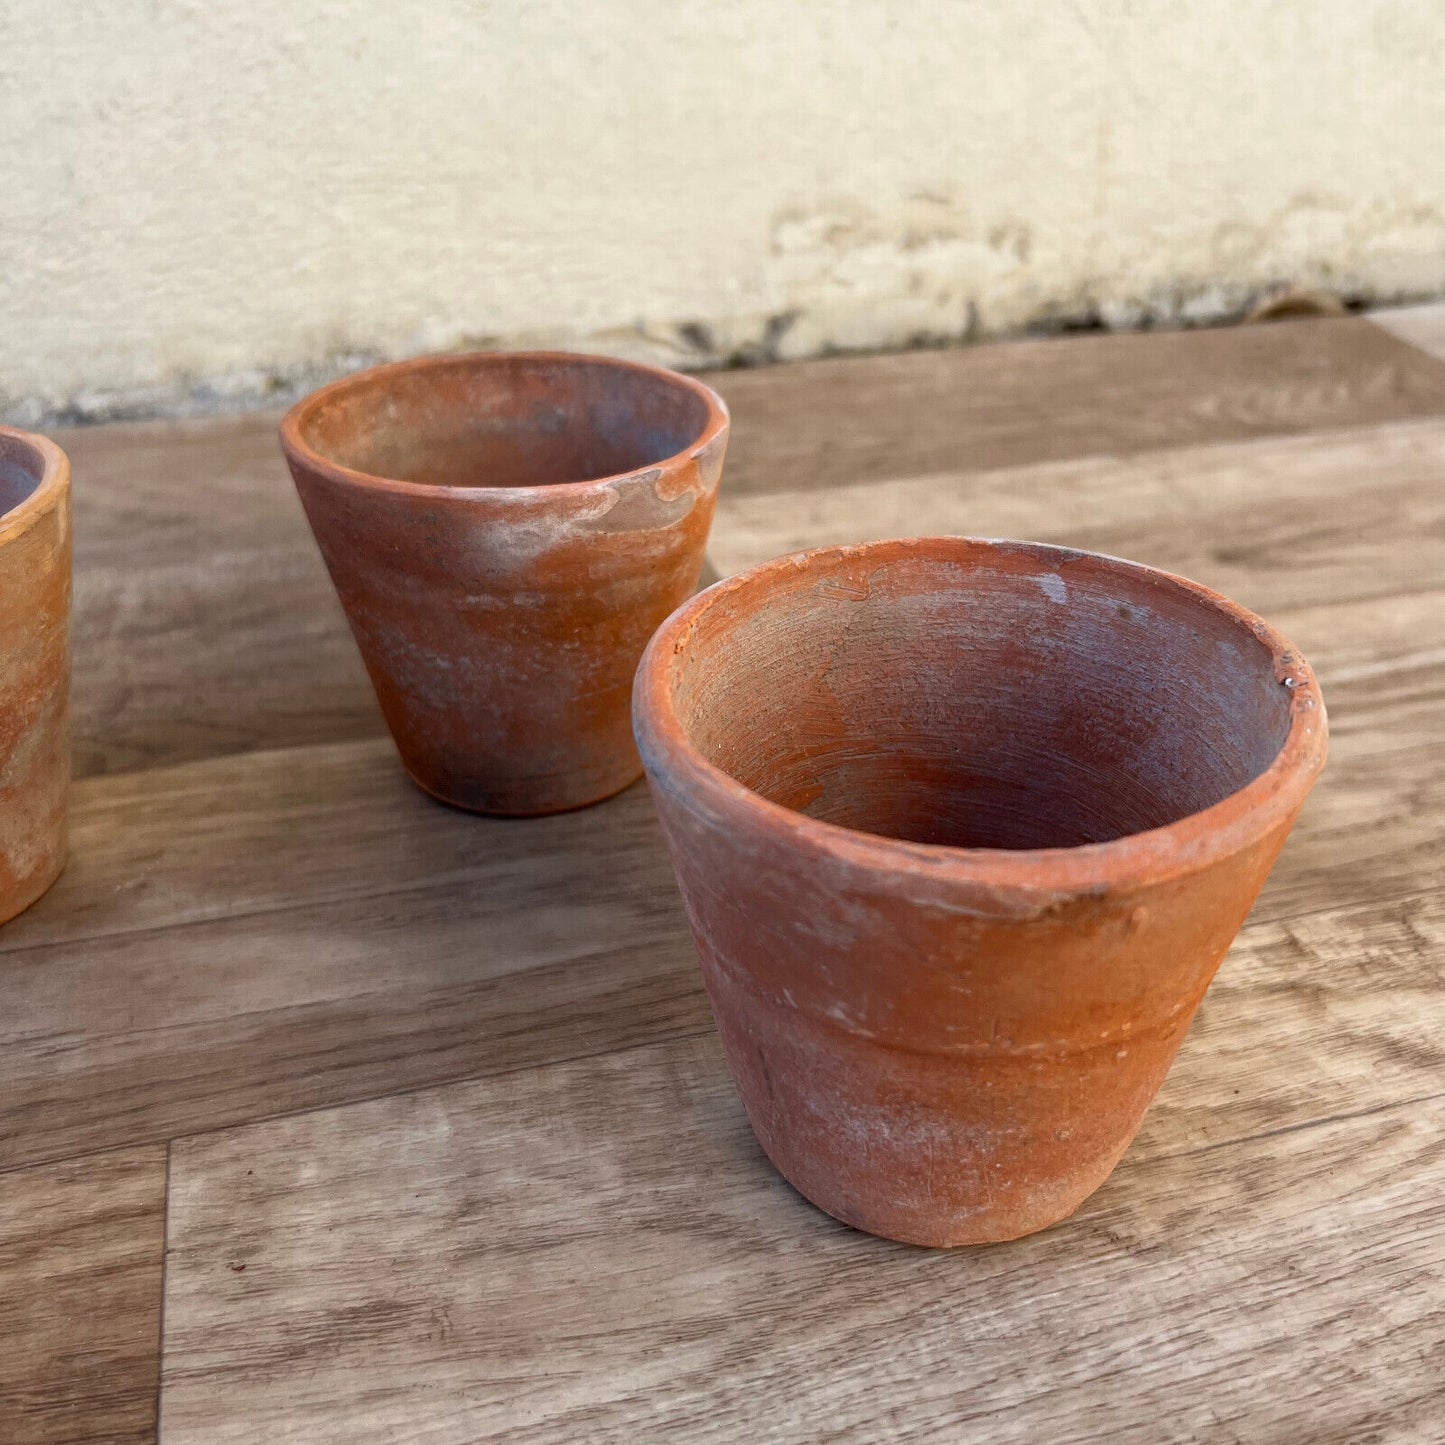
505	533
34	666
963	830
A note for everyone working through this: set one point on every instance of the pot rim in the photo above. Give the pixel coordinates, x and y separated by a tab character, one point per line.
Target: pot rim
54	478
1007	879
299	450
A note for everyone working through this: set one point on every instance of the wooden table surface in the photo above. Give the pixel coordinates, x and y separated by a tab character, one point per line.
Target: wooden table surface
330	1114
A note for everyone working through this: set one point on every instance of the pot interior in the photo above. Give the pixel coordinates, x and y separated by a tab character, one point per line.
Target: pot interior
504	421
22	469
979	695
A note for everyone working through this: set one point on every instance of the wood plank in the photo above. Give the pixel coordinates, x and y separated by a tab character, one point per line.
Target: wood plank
81	1252
262	918
232	837
250	834
1277	525
345	936
235	837
252	936
205	623
1323	1013
1380	661
147	1034
1373	830
321	1005
1422	326
597	1250
1281	524
1313	1017
876	418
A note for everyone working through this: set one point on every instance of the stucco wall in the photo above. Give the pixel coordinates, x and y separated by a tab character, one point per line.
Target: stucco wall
206	201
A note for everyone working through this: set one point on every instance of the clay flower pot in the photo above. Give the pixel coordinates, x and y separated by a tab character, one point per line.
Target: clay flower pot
963	830
34	666
505	533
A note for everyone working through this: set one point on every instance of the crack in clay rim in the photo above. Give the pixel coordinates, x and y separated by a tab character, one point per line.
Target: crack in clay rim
299	449
54	477
1029	880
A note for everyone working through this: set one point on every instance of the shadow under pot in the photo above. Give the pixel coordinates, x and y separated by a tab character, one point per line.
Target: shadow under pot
34	666
505	532
963	830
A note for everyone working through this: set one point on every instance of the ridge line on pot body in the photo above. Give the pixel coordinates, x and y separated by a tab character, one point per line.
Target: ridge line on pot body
948	1044
501	623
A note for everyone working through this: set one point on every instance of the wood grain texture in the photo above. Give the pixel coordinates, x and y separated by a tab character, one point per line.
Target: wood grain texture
1329	536
80	1299
205	623
549	1220
201	964
275	931
1422	326
144	1034
528	956
878	418
597	1250
1276	524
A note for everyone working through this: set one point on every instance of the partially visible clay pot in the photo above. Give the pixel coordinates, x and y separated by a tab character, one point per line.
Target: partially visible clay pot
964	829
34	666
505	533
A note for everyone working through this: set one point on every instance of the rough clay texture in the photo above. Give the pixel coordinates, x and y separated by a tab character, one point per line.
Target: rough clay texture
1055	784
505	533
210	203
34	667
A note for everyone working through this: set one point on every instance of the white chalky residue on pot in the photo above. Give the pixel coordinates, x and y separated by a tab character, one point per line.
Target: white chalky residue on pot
1054	587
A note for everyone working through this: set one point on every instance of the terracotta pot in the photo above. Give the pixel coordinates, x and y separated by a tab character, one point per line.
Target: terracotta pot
34	666
963	830
505	533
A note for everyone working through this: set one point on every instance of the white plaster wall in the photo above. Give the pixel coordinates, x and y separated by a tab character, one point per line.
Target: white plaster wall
206	200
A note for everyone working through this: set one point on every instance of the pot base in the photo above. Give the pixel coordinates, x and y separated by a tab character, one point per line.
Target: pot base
936	1149
963	1237
939	1232
493	803
15	901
